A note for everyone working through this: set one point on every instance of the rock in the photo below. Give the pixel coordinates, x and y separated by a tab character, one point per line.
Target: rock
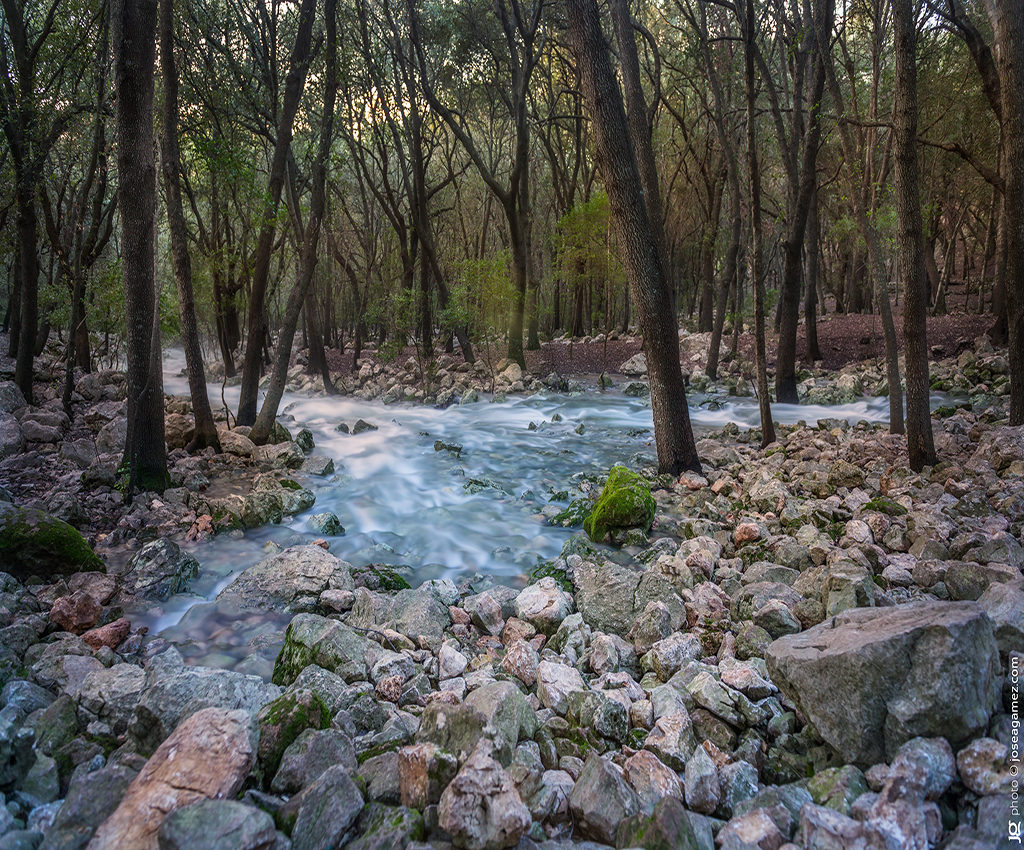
311	639
309	755
601	800
111	437
327	523
844	474
235	443
754	830
91	799
387	828
481	808
555	682
173	691
283	720
11	398
509	717
667	656
703	792
362	426
668	827
984	767
424	771
456	728
605	596
217	825
544	605
625	502
837	787
634	366
870	680
33	543
12	440
208	755
521	661
111	635
25	695
16	741
380	775
485	612
651	779
109	697
75	613
159	570
672	740
326	810
414	613
317	465
1004	604
291	580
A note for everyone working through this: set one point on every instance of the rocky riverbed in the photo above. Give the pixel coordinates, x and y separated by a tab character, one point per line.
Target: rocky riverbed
806	646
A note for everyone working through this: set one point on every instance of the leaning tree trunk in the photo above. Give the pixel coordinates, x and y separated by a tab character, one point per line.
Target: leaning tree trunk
813	241
756	263
206	430
909	238
257	326
644	270
264	423
134	29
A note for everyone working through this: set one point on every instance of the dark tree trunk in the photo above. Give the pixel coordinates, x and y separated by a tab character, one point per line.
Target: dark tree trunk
28	268
1007	19
909	239
813	239
206	430
134	31
651	297
756	270
257	325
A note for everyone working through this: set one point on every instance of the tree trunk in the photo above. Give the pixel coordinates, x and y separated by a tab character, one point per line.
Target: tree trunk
257	326
264	423
813	240
652	300
206	430
134	30
1007	19
756	271
28	267
909	239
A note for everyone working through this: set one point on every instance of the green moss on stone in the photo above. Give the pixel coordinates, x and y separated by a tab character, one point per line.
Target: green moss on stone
625	502
34	543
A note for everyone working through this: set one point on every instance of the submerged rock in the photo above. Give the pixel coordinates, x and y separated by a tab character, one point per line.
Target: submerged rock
291	581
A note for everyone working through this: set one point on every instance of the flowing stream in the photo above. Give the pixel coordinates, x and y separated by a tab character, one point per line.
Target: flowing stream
434	514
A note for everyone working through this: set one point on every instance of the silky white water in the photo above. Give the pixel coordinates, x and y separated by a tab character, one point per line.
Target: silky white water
403	503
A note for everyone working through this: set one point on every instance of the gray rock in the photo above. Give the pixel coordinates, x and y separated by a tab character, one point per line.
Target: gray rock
173	692
326	811
91	798
311	639
703	791
217	825
555	682
327	523
870	680
387	828
602	799
159	570
15	747
1004	604
291	581
544	605
109	697
605	595
309	755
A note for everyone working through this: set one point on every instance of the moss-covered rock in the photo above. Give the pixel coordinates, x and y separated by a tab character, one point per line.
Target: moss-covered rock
311	639
35	543
283	720
574	515
625	502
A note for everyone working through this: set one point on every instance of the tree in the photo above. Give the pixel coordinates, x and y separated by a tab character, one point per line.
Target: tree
206	430
1007	18
909	239
134	36
617	163
757	248
264	423
257	327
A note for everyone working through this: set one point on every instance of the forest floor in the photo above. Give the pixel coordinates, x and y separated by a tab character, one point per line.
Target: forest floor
844	339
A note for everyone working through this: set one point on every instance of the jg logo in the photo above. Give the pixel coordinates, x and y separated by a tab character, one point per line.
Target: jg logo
1014	831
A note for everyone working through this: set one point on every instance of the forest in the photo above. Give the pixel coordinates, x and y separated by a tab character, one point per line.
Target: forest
511	423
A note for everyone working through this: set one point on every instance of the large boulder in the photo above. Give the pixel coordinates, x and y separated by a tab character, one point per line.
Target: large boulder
218	825
871	679
35	543
208	756
291	580
625	502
